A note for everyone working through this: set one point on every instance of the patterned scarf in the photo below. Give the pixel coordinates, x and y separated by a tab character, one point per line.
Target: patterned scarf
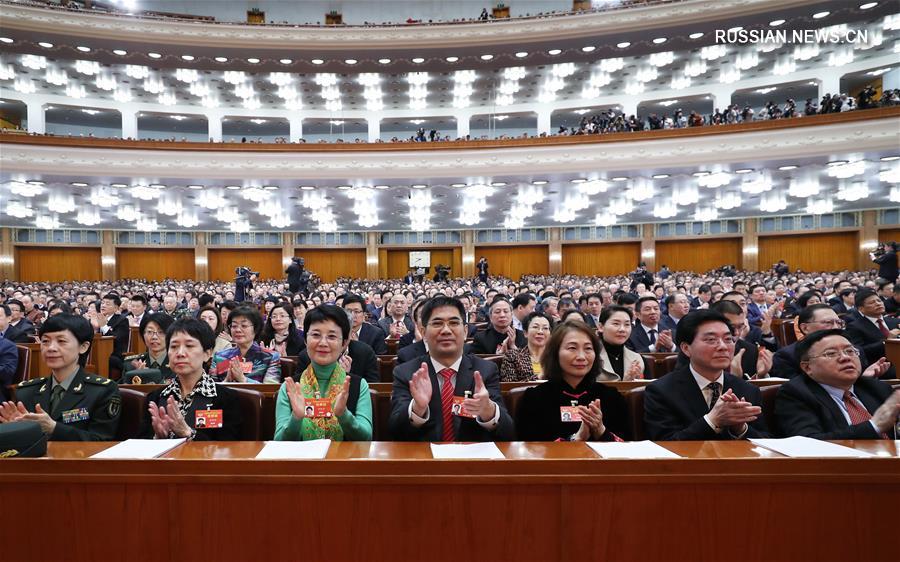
206	386
322	428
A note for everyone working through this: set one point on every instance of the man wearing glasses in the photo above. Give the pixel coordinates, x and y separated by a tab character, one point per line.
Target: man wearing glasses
700	401
831	400
360	330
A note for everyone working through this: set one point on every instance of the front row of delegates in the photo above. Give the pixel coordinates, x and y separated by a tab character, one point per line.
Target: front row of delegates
446	395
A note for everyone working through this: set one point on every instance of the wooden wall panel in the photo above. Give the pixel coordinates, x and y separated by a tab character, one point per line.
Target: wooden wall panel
393	264
222	263
889	235
600	259
155	264
331	264
698	255
831	251
58	264
397	263
515	261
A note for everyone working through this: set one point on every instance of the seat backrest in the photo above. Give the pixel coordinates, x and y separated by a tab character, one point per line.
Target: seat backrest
288	367
668	365
768	407
381	414
635	401
386	364
132	416
493	358
23	367
512	397
392	345
250	402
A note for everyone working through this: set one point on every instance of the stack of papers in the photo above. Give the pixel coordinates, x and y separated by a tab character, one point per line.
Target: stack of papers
805	447
631	450
294	450
139	449
466	451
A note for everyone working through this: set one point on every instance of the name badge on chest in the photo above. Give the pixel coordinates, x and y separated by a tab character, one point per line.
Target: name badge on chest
570	413
76	415
208	419
458	408
318	408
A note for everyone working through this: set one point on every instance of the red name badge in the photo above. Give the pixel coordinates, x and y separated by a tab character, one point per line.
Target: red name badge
208	419
457	409
318	408
569	414
246	367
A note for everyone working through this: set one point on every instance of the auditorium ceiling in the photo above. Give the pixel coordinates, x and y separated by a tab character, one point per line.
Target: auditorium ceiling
839	182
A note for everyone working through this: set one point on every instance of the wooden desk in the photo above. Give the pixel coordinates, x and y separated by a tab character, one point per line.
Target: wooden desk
892	351
389	501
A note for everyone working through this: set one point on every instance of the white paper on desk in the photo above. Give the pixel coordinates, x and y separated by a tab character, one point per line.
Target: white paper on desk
466	451
139	449
293	450
631	450
805	447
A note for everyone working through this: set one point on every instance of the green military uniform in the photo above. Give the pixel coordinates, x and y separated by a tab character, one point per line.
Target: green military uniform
88	411
152	373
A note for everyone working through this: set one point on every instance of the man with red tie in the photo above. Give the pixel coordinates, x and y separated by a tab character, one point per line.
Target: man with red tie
446	395
831	400
868	328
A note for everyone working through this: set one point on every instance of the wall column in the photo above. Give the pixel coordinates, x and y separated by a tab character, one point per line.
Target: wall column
214	127
374	128
721	98
296	125
108	255
372	262
543	122
750	246
554	253
648	247
462	125
36	120
129	123
201	257
868	240
468	253
7	254
287	250
630	107
829	83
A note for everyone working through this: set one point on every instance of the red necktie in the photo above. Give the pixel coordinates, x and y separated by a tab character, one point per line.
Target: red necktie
447	405
884	329
858	414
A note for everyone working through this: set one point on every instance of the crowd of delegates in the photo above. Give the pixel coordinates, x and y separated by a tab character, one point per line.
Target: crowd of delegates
614	121
574	333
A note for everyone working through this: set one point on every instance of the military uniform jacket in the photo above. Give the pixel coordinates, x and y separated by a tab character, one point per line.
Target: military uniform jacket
88	411
164	369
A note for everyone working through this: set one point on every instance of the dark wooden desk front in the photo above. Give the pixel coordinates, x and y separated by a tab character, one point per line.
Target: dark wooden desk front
392	501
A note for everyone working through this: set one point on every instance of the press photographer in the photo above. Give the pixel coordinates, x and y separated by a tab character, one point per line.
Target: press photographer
886	258
243	282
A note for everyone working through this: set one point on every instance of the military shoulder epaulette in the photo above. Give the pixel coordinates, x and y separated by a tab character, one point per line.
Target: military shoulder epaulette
97	380
31	382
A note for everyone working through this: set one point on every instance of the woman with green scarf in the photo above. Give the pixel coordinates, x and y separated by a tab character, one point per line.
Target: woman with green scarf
324	401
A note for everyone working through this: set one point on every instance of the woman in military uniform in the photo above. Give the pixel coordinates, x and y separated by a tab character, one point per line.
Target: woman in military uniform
152	366
192	405
70	404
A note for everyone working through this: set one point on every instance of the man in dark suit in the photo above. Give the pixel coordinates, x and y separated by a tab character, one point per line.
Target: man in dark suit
409	279
812	318
482	267
112	323
363	361
396	323
9	332
700	401
374	307
831	400
757	306
9	361
677	306
871	328
650	334
360	330
500	336
17	317
427	388
846	302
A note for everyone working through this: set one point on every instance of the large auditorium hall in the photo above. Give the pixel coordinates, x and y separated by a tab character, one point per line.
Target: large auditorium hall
546	280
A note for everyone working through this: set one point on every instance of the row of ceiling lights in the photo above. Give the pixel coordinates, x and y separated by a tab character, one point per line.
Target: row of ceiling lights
698	174
450	59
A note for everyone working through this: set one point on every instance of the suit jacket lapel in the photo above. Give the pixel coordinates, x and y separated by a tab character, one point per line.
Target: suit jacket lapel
693	397
826	401
434	406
